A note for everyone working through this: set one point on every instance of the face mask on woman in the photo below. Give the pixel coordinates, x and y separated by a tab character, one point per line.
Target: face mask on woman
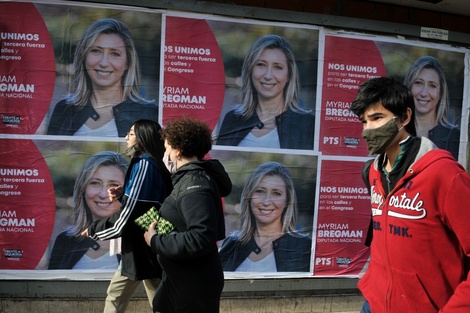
378	139
132	151
170	165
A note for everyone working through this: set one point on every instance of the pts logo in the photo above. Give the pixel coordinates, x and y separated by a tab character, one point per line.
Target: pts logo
351	142
323	261
331	140
340	261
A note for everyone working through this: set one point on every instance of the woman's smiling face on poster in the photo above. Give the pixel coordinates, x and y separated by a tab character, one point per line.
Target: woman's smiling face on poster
426	91
269	200
96	193
270	74
106	62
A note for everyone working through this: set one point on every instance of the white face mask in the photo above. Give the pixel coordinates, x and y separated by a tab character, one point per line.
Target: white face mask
170	165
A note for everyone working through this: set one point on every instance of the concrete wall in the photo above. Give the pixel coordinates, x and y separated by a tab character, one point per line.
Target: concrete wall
363	9
302	295
314	304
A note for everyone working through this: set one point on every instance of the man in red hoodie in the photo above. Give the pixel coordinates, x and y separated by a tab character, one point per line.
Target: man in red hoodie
420	210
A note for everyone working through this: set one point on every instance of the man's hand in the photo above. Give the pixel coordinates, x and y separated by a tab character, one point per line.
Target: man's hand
150	233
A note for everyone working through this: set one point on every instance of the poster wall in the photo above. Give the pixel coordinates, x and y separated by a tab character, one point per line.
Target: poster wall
345	68
342	219
69	94
76	80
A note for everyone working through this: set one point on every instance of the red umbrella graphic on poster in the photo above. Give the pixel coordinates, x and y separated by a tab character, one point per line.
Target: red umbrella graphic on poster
27	68
348	63
27	204
194	78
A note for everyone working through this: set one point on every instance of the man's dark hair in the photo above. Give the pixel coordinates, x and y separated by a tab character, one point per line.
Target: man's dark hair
393	95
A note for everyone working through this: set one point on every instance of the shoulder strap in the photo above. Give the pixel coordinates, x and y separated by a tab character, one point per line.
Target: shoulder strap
365	173
365	178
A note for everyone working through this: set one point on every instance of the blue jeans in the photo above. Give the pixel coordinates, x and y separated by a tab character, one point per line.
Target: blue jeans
365	308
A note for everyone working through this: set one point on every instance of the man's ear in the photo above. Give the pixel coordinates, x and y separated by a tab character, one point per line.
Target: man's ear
407	117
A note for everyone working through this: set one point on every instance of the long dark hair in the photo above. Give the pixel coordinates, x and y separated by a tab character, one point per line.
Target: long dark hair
150	141
147	134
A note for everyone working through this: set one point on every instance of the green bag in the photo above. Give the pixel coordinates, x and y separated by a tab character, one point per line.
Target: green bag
163	227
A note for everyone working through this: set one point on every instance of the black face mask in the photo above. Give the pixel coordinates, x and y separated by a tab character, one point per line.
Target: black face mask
378	139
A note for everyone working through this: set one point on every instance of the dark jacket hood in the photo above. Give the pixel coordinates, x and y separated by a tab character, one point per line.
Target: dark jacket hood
214	168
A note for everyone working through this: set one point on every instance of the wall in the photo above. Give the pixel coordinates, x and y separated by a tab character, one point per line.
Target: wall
289	295
367	10
359	15
286	295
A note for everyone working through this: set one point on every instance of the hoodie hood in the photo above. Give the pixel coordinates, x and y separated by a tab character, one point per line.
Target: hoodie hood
214	168
425	146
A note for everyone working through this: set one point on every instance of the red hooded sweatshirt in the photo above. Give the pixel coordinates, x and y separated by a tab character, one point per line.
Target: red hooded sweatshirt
421	239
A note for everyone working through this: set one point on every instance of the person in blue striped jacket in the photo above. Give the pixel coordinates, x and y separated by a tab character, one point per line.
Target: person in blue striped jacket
147	184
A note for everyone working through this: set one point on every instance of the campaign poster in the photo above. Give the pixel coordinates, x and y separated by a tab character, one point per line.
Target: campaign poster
351	60
80	194
343	219
27	204
27	68
272	202
348	62
204	64
194	65
103	82
51	55
194	81
445	99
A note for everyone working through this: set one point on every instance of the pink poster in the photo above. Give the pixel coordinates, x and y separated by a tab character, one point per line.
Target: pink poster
27	69
27	205
194	71
343	219
348	63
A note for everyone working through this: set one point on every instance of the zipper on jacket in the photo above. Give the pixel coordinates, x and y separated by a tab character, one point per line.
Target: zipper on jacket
389	183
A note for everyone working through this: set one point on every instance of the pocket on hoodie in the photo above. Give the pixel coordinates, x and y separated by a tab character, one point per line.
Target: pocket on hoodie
409	292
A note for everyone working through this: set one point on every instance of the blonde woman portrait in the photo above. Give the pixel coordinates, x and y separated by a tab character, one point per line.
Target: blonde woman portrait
427	82
270	115
101	171
104	98
267	240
